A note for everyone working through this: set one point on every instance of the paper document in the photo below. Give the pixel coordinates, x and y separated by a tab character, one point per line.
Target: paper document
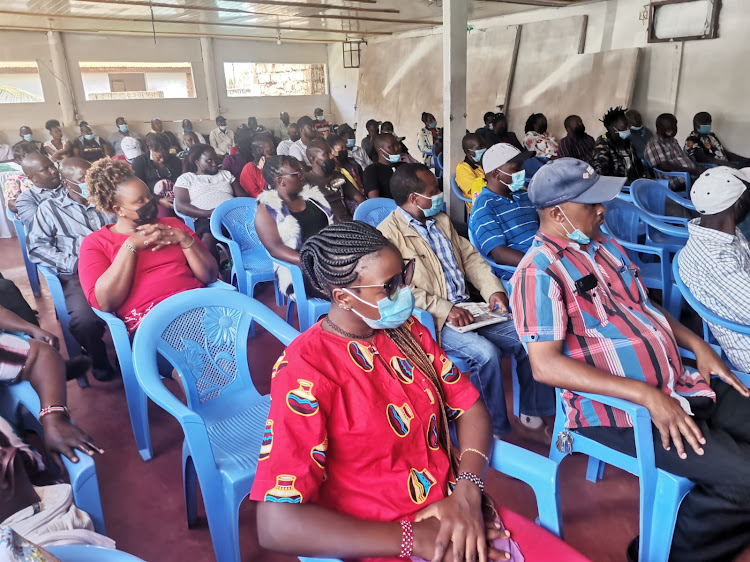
481	316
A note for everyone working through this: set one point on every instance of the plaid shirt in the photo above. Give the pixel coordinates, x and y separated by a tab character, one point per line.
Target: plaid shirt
617	160
702	147
441	245
28	202
499	221
581	148
715	266
613	327
666	150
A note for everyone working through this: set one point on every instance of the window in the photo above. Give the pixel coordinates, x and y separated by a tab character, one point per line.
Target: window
683	20
20	83
137	80
272	79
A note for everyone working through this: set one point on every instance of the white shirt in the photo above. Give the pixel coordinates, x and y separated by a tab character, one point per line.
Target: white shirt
201	139
206	191
298	150
715	266
360	156
284	146
221	141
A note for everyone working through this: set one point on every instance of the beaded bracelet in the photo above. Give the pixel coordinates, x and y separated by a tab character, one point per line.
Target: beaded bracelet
53	410
407	540
129	247
471	450
471	477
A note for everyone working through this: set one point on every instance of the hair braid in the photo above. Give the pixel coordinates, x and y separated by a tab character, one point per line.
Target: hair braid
613	115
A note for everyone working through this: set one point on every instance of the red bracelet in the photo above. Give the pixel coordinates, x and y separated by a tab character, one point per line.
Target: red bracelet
53	410
407	540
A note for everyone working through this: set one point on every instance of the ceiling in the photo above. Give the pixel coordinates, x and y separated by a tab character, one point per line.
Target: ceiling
295	20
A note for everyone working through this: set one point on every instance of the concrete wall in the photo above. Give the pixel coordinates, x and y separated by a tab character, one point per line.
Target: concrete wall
23	46
680	78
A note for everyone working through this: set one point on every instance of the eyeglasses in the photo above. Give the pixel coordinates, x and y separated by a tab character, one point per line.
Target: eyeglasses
297	173
392	286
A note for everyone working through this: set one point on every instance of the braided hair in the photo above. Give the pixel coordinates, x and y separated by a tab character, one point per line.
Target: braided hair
243	141
272	168
330	258
614	114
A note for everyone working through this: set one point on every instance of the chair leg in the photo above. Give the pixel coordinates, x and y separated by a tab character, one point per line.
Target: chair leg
594	470
138	410
223	523
33	274
291	307
670	491
190	487
554	453
277	291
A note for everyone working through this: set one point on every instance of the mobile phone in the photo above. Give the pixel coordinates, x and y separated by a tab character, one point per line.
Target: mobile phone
585	284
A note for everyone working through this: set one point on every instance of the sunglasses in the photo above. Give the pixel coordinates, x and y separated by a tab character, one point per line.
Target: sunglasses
298	174
392	286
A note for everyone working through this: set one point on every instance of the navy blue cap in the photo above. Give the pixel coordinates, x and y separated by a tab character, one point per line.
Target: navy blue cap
570	179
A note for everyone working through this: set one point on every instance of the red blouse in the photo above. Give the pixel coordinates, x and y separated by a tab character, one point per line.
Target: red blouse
158	275
251	180
354	426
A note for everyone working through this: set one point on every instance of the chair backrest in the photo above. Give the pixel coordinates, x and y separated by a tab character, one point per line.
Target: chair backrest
651	196
203	333
623	221
439	165
373	211
457	191
237	216
20	230
189	221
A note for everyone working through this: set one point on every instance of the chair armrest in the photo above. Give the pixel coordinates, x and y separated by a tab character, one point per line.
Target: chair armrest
298	282
680	200
664	227
538	472
221	285
116	326
426	319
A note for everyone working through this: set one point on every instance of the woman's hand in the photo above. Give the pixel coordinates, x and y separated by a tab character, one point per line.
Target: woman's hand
43	335
461	523
62	437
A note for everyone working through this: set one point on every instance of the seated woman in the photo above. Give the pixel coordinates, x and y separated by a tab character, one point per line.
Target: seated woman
357	434
202	188
130	266
289	212
89	146
17	184
345	164
251	178
157	163
58	147
538	138
234	163
342	195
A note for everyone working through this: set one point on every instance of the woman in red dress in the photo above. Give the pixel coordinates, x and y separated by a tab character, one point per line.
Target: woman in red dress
356	460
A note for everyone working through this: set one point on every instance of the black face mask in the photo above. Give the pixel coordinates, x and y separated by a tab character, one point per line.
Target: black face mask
343	157
329	166
542	129
148	213
579	130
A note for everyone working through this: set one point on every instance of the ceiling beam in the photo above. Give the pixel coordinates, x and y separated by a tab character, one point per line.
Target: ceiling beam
172	22
314	5
146	3
540	3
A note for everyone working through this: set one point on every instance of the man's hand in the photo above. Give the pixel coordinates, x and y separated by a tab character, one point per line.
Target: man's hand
709	363
61	437
673	423
460	317
46	337
498	303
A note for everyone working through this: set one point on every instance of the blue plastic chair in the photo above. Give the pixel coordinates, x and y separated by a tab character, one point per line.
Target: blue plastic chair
31	271
457	191
19	404
134	395
374	211
90	553
651	197
203	334
251	264
528	467
438	165
189	221
666	175
504	272
309	309
709	317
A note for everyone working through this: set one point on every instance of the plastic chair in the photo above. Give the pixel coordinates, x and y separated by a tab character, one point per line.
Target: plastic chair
651	196
237	216
203	334
189	221
504	272
309	309
438	165
31	271
134	395
374	211
90	553
457	191
19	399
666	175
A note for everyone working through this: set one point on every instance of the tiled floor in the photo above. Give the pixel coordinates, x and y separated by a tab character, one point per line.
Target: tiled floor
143	502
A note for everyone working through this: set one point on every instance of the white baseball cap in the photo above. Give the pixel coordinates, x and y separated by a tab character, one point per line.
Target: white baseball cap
131	148
501	153
719	188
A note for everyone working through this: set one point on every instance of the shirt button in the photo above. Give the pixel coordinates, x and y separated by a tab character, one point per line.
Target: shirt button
533	337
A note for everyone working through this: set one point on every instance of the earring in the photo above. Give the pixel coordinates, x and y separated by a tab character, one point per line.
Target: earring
341	306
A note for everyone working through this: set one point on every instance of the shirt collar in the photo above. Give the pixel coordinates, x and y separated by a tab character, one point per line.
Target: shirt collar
561	244
415	223
710	234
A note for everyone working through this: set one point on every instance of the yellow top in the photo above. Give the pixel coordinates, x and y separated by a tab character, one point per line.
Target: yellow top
466	179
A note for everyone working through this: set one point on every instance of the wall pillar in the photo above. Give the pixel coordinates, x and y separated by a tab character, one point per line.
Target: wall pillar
454	96
212	93
62	79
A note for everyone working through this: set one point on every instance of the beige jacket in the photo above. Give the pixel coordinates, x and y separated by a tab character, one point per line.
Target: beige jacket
429	285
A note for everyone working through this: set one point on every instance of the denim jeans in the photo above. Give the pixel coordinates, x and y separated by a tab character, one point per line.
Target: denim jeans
483	349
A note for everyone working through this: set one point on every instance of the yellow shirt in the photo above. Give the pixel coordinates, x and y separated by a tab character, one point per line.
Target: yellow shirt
466	178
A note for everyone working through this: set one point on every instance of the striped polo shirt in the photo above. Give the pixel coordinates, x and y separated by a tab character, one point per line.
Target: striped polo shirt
613	326
498	221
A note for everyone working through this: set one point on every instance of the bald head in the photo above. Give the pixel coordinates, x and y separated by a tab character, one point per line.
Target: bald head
73	170
40	170
156	125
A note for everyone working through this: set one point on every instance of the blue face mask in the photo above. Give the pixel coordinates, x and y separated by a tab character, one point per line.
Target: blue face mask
704	129
478	154
350	143
393	312
437	204
624	135
576	236
517	180
123	128
432	125
83	189
392	158
636	128
184	130
88	137
28	138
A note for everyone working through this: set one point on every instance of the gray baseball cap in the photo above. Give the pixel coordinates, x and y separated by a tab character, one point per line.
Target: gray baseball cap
570	179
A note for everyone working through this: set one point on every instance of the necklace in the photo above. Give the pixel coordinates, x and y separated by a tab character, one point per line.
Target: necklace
348	334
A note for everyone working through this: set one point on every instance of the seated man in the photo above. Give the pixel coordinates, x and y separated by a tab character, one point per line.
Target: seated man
221	138
702	145
308	134
581	310
54	240
189	140
167	137
470	170
292	136
187	127
639	133
356	152
377	176
715	264
342	196
46	179
123	132
486	132
614	155
578	144
664	152
444	263
504	221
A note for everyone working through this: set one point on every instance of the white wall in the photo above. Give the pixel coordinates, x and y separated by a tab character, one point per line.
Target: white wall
343	86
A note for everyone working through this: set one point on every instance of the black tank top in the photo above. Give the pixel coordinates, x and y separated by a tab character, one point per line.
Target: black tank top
311	220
